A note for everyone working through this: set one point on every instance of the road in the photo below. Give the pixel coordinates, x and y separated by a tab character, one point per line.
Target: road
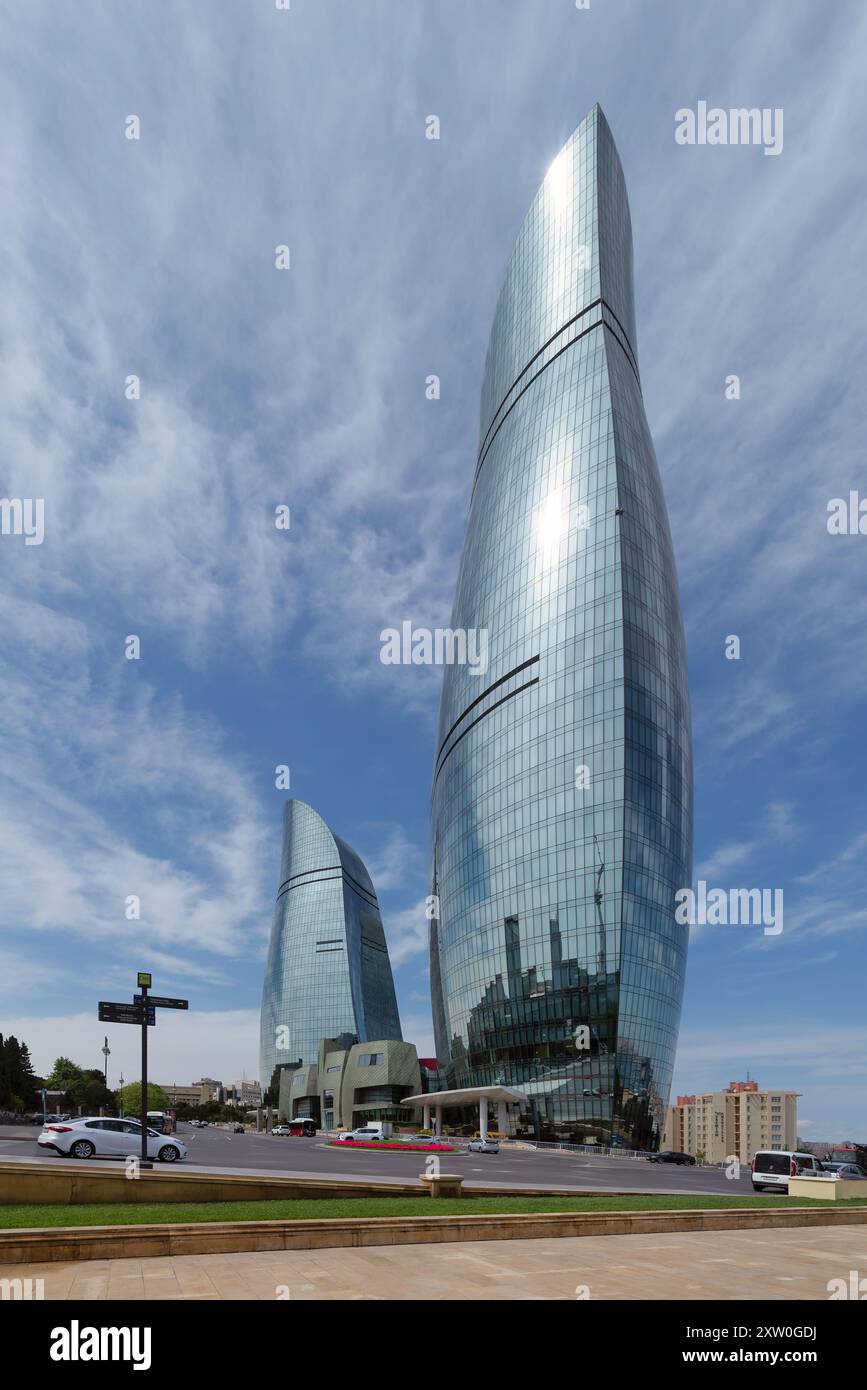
220	1150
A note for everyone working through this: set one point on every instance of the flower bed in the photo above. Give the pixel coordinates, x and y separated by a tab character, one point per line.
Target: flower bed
400	1147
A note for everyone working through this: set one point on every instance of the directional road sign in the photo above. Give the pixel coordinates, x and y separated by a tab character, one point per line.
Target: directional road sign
124	1013
161	1002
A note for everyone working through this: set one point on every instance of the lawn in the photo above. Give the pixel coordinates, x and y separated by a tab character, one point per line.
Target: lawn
139	1214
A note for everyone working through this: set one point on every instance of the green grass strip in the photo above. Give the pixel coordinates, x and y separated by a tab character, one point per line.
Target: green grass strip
142	1213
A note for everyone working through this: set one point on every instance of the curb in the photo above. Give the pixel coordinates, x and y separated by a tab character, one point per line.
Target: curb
66	1244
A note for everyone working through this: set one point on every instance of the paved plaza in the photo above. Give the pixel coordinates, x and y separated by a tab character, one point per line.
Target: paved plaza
758	1265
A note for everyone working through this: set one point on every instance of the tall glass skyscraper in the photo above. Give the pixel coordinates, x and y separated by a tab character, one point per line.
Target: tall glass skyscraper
562	797
328	973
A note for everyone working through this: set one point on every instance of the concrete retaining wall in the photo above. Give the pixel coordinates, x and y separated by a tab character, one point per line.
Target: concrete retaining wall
124	1242
85	1183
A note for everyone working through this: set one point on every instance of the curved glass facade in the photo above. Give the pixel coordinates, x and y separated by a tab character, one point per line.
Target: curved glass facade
328	973
562	798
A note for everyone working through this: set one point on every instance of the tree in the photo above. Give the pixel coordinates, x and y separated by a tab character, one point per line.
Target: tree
91	1092
64	1075
18	1084
130	1098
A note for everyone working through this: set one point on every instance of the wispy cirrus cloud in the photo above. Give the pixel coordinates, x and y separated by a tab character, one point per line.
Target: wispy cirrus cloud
157	258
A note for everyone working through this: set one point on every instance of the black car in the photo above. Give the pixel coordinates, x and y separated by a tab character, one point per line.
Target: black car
669	1156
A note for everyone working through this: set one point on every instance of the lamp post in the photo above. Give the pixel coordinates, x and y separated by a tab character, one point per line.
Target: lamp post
121	1095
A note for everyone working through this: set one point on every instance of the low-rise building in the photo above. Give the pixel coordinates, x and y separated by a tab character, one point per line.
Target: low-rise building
211	1089
199	1093
183	1095
350	1085
736	1122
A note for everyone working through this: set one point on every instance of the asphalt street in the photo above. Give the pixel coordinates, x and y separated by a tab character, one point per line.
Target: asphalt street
214	1148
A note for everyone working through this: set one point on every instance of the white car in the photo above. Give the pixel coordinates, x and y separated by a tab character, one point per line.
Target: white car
281	1129
484	1146
105	1138
361	1136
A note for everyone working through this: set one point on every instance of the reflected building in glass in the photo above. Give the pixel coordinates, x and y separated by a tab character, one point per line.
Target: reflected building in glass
562	796
328	973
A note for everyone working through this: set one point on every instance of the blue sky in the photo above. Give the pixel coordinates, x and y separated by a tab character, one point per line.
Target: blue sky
155	257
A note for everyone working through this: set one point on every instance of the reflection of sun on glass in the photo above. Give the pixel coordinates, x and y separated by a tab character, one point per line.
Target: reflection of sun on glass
558	212
558	182
549	527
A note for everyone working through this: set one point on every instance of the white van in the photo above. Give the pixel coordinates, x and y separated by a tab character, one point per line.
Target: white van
372	1131
773	1167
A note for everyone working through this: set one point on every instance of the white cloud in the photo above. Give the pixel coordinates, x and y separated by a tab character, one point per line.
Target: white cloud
87	744
418	1029
396	861
776	825
407	933
181	1047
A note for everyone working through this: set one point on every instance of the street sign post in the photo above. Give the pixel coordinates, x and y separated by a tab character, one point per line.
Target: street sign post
142	1011
159	1001
143	981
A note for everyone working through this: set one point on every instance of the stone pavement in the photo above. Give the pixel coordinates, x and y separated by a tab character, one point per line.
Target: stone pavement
751	1265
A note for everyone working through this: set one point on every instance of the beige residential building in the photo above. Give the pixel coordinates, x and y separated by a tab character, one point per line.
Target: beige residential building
198	1094
183	1095
210	1088
732	1123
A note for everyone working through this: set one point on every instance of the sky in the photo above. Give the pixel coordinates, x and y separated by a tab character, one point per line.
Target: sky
304	387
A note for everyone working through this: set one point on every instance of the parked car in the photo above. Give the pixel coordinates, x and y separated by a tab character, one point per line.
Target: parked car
484	1146
671	1156
773	1168
844	1170
238	1129
281	1129
104	1138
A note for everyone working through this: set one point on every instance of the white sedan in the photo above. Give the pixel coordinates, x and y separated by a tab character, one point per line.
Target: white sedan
104	1138
484	1146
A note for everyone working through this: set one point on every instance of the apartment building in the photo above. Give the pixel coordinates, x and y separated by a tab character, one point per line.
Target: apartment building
735	1122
